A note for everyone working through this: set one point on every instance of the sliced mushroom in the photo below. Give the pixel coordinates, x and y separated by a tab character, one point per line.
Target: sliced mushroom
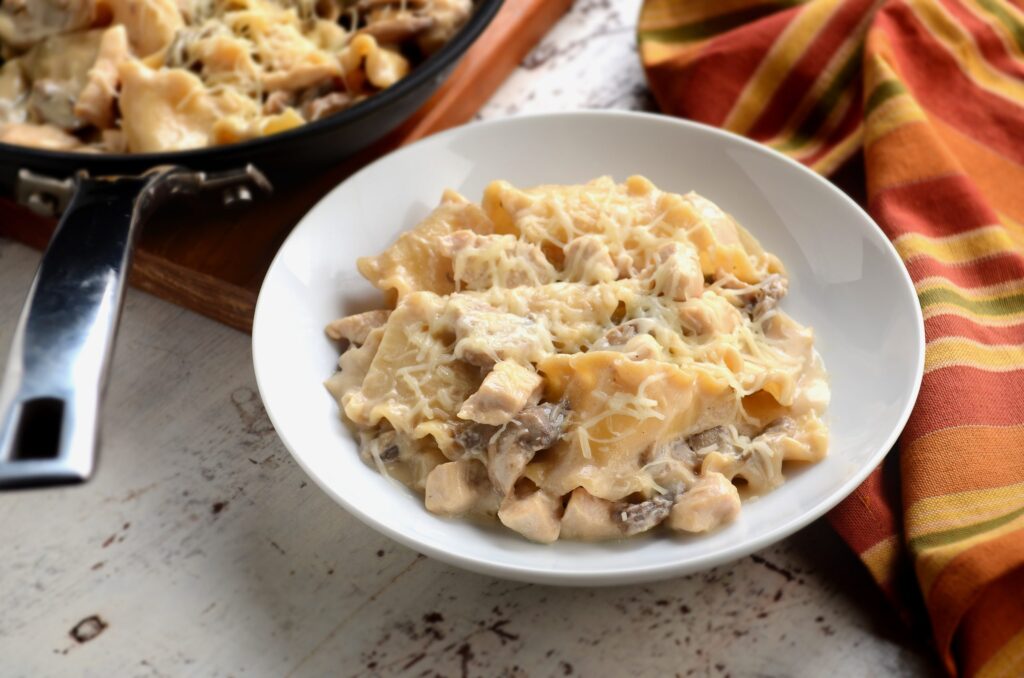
535	428
766	297
398	29
637	518
474	438
381	446
368	5
718	439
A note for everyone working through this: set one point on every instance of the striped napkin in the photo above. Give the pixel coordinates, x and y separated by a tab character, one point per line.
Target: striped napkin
927	96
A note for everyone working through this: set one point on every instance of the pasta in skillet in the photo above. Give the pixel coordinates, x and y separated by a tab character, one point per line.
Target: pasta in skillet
141	76
585	362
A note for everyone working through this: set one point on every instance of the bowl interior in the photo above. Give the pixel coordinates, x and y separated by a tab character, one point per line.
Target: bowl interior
846	282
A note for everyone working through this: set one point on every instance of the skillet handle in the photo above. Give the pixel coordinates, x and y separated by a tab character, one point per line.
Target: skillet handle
56	372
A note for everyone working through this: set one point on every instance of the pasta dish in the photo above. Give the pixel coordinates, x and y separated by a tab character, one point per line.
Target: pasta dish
141	76
582	362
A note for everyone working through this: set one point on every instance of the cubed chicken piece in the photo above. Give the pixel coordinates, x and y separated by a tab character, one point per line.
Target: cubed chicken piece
708	313
355	328
711	502
505	391
95	103
536	516
533	429
643	347
588	518
458	487
676	272
151	24
480	262
485	335
38	136
588	260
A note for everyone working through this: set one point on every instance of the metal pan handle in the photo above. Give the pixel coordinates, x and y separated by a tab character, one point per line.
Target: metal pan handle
56	373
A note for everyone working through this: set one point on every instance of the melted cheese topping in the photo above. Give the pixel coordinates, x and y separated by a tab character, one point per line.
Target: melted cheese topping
649	319
181	74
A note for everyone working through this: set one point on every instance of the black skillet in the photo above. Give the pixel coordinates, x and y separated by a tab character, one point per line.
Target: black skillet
52	389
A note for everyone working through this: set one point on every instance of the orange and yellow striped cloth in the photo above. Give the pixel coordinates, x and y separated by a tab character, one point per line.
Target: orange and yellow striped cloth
927	97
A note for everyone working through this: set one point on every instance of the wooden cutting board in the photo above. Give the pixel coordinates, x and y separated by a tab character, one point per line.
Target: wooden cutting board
213	260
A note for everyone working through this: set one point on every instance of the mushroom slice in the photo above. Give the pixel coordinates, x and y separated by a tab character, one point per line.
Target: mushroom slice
535	428
637	518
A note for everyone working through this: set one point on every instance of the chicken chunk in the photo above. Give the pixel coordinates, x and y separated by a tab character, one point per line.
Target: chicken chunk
710	503
536	516
535	428
588	518
676	272
505	391
708	313
151	24
459	487
355	328
485	335
95	104
588	260
481	262
399	28
38	136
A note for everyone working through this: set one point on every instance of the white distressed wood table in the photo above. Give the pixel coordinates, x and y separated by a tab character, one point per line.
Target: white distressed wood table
201	549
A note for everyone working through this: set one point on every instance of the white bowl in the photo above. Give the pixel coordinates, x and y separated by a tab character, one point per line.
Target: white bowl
847	282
